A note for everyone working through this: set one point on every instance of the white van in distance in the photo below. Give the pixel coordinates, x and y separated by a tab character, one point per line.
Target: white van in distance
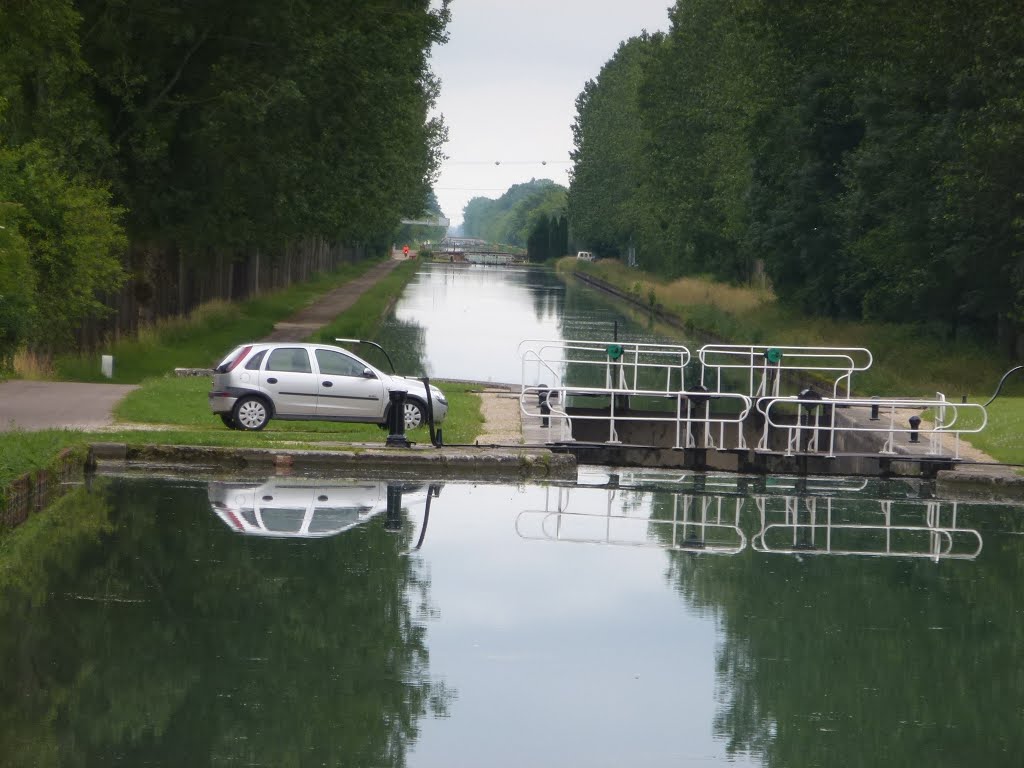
585	256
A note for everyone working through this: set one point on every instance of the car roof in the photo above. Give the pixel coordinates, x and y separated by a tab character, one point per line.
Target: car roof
306	344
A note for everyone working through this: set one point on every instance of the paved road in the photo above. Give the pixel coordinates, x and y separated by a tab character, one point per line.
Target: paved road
33	405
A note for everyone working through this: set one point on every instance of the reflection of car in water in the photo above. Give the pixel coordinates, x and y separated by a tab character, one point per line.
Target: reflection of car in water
307	508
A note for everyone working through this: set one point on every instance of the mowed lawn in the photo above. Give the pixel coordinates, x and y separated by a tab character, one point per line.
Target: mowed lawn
180	404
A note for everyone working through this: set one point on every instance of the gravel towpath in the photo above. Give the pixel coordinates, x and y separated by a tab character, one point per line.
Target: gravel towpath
329	306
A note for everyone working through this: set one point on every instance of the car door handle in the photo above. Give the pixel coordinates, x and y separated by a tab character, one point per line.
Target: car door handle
328	383
271	381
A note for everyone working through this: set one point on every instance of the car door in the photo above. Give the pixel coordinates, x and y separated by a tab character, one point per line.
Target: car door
289	379
346	392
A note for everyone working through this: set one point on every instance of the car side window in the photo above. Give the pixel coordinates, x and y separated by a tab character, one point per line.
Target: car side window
254	363
289	360
337	364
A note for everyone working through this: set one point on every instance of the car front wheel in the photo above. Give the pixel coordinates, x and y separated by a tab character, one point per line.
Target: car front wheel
414	415
251	414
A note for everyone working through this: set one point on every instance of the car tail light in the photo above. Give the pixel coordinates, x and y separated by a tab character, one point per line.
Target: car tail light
242	354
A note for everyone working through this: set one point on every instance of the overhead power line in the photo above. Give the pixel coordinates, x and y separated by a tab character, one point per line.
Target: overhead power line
506	162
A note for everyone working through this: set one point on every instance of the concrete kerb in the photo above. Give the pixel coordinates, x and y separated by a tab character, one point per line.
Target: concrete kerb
981	482
437	463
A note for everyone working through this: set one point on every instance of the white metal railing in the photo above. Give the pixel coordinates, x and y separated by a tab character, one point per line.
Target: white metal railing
553	371
625	367
806	529
763	366
718	431
817	426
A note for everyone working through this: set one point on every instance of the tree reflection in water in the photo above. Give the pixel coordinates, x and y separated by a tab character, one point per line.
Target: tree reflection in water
855	627
865	660
153	635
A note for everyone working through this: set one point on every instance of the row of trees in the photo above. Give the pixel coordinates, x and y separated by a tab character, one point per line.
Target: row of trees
514	217
129	131
549	238
869	155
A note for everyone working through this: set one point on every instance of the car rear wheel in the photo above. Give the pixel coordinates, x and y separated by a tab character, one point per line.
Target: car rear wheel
414	415
251	414
229	420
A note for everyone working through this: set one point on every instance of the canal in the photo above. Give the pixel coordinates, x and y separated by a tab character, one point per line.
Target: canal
632	618
641	618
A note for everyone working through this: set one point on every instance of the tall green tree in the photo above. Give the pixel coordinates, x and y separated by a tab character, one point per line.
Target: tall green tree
607	190
513	217
208	128
866	154
73	238
17	285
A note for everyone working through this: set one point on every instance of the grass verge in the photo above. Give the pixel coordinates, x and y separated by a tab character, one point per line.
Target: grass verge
203	337
22	452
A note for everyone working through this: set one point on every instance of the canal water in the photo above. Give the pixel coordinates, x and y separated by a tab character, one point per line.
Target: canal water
632	618
465	321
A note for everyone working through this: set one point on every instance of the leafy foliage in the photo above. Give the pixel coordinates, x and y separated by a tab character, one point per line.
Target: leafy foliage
17	285
514	216
208	128
866	157
72	235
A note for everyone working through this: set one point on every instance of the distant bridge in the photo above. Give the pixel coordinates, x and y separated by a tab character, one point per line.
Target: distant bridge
476	251
436	221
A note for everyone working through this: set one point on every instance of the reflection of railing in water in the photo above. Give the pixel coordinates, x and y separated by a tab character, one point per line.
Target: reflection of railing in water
701	524
732	484
806	529
711	523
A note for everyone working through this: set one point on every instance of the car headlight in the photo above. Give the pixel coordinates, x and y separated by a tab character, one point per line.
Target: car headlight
438	395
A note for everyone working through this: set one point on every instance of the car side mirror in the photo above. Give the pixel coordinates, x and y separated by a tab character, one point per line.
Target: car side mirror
368	374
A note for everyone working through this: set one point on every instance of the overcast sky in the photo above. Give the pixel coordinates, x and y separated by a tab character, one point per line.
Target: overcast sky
510	75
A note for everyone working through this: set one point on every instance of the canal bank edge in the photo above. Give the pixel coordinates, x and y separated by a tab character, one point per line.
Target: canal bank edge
979	482
33	491
488	464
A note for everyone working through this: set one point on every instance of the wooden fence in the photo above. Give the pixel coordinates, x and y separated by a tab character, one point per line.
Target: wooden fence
167	282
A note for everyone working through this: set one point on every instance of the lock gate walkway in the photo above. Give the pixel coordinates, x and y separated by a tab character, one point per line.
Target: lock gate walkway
750	409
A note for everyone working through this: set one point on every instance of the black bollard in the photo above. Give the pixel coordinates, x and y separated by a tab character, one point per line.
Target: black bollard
393	517
915	422
396	421
542	403
874	409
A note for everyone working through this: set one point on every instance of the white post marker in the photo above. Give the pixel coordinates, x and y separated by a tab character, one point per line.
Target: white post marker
107	365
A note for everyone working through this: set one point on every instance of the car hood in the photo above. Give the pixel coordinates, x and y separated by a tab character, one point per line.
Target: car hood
410	385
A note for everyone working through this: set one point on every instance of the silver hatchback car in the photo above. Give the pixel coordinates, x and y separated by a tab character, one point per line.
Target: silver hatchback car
314	382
